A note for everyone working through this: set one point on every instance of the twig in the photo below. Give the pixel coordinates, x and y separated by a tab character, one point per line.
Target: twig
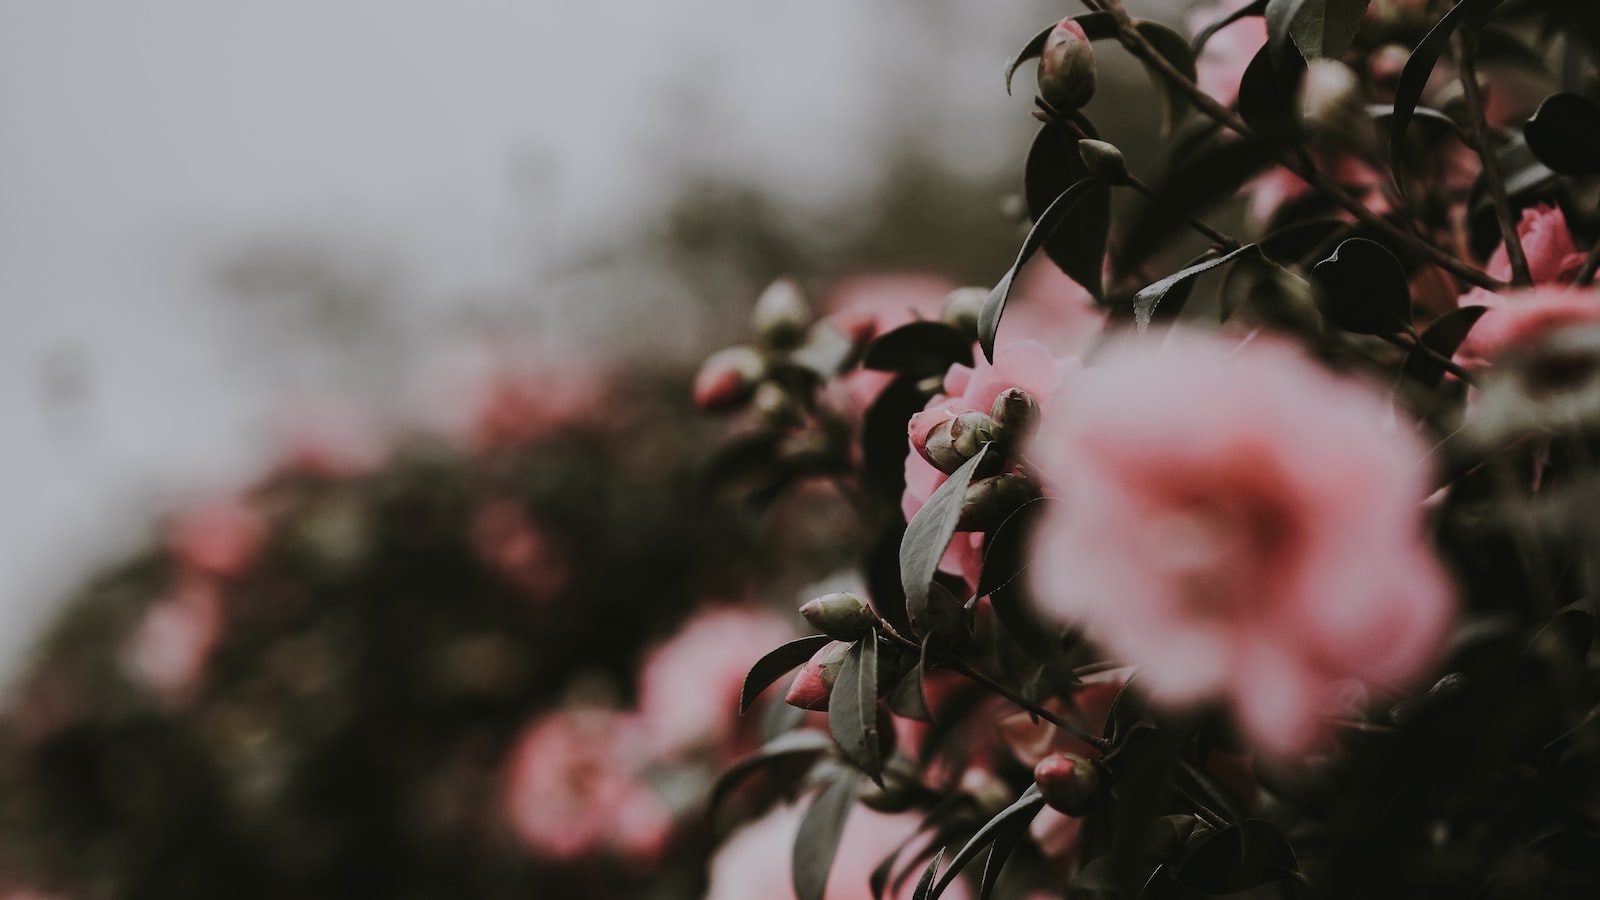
1445	362
1466	50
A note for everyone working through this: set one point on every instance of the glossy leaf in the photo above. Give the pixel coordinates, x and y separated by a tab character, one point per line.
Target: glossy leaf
1175	48
1023	810
1269	94
1445	336
853	708
771	667
789	745
928	534
1148	298
1414	77
1254	8
1078	245
1005	842
909	699
924	888
883	435
817	841
1362	288
1319	29
918	348
1565	134
1005	558
1047	222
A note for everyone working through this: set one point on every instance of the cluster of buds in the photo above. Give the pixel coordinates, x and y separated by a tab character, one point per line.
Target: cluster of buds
947	439
735	376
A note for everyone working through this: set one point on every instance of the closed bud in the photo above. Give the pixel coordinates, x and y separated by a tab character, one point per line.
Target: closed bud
1068	782
1331	101
814	682
961	309
989	501
1103	159
946	438
970	431
781	315
1016	414
775	405
1066	68
727	377
839	615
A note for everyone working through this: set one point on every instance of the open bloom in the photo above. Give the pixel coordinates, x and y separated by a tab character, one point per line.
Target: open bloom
1516	318
1238	524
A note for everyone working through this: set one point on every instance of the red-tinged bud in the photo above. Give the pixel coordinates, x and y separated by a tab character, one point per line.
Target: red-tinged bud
946	438
989	501
1103	159
814	682
1066	68
728	377
1069	783
839	615
781	315
961	309
1015	414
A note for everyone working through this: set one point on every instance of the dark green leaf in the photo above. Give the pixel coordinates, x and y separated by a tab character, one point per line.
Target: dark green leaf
1362	288
1269	94
1005	556
883	435
1565	134
1031	50
789	745
918	348
1381	112
1097	26
771	667
929	533
818	839
1053	216
924	889
1141	777
909	699
1078	244
1293	244
1023	810
1254	8
1444	335
1004	843
1146	301
1414	77
853	708
1237	858
1175	48
1320	29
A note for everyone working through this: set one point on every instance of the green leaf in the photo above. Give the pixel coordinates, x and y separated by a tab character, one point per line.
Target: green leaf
924	888
853	708
1004	843
918	348
1023	810
1564	134
1078	245
771	667
1320	29
1414	77
789	745
1095	25
1254	8
1175	48
928	534
1033	49
909	699
817	842
1146	301
1269	94
1362	288
1005	557
1444	335
1043	226
1237	858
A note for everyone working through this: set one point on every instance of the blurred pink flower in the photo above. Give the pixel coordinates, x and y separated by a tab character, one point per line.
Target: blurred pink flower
1546	241
689	685
220	537
866	306
501	392
518	550
1239	525
1021	364
1052	309
329	436
755	862
1519	316
1271	190
574	789
1222	63
169	648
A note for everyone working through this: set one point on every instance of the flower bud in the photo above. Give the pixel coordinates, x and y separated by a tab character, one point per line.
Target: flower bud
1330	100
839	615
727	377
1103	159
774	405
946	438
1069	783
1066	68
961	309
989	501
781	315
1015	414
814	682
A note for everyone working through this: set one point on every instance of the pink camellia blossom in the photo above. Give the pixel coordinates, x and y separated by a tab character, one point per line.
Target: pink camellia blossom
486	395
171	645
1546	241
1517	317
220	537
1021	364
756	861
689	685
1221	64
574	789
330	437
866	306
1239	525
1052	309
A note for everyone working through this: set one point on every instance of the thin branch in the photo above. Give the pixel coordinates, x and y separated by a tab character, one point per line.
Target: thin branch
1483	141
1445	362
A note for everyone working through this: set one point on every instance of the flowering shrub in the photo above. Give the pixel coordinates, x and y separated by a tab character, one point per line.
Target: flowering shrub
1235	593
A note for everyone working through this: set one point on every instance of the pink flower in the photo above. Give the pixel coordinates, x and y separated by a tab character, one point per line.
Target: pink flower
689	686
169	649
518	550
1519	318
756	860
1022	364
1239	525
1052	309
1552	255
329	437
574	789
727	377
488	396
220	538
1222	63
863	307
